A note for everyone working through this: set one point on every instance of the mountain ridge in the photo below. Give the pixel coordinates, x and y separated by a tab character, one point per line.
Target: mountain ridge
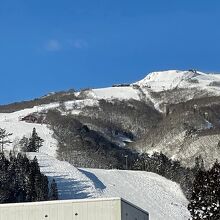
166	111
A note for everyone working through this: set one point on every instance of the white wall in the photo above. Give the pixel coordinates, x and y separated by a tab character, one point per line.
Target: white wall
94	209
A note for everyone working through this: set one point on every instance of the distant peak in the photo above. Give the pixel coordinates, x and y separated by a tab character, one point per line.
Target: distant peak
170	79
170	75
173	73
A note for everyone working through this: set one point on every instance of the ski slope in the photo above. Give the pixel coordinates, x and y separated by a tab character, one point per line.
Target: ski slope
162	198
71	182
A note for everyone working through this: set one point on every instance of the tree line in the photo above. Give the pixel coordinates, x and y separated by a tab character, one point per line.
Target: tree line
205	199
22	181
201	187
20	178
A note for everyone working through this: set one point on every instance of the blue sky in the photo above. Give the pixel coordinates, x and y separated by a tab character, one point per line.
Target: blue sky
51	45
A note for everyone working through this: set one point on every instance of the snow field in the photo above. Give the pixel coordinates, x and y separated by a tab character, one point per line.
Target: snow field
121	93
71	183
171	79
162	198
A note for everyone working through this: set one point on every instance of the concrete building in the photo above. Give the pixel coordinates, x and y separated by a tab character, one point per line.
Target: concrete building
85	209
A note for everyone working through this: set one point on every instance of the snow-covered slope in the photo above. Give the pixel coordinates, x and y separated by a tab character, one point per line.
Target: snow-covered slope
162	198
160	81
71	182
171	79
164	80
16	116
197	83
121	93
18	128
158	89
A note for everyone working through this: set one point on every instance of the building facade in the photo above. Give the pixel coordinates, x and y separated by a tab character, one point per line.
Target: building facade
85	209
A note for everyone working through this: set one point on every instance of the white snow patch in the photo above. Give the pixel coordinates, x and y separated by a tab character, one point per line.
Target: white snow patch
208	125
80	104
122	93
171	79
71	183
162	198
20	129
16	116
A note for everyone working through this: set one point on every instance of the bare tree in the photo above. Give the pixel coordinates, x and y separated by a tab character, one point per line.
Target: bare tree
4	138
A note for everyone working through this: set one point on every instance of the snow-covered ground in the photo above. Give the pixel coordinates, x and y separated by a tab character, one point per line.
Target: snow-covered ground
16	116
162	198
11	122
160	81
71	182
20	129
171	79
157	82
120	93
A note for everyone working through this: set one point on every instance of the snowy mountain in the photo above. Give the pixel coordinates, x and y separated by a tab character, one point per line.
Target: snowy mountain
162	198
176	112
172	79
173	112
160	82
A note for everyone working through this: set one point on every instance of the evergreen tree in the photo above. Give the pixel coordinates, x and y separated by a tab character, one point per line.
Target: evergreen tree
198	201
214	191
199	164
35	142
21	180
38	187
204	203
44	188
53	191
24	142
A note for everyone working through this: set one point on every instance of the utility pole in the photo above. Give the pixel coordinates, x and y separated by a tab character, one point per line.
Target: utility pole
126	162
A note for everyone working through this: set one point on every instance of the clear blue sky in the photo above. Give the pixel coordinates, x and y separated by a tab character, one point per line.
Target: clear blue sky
50	45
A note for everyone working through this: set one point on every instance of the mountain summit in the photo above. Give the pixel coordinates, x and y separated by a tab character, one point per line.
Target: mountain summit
171	79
